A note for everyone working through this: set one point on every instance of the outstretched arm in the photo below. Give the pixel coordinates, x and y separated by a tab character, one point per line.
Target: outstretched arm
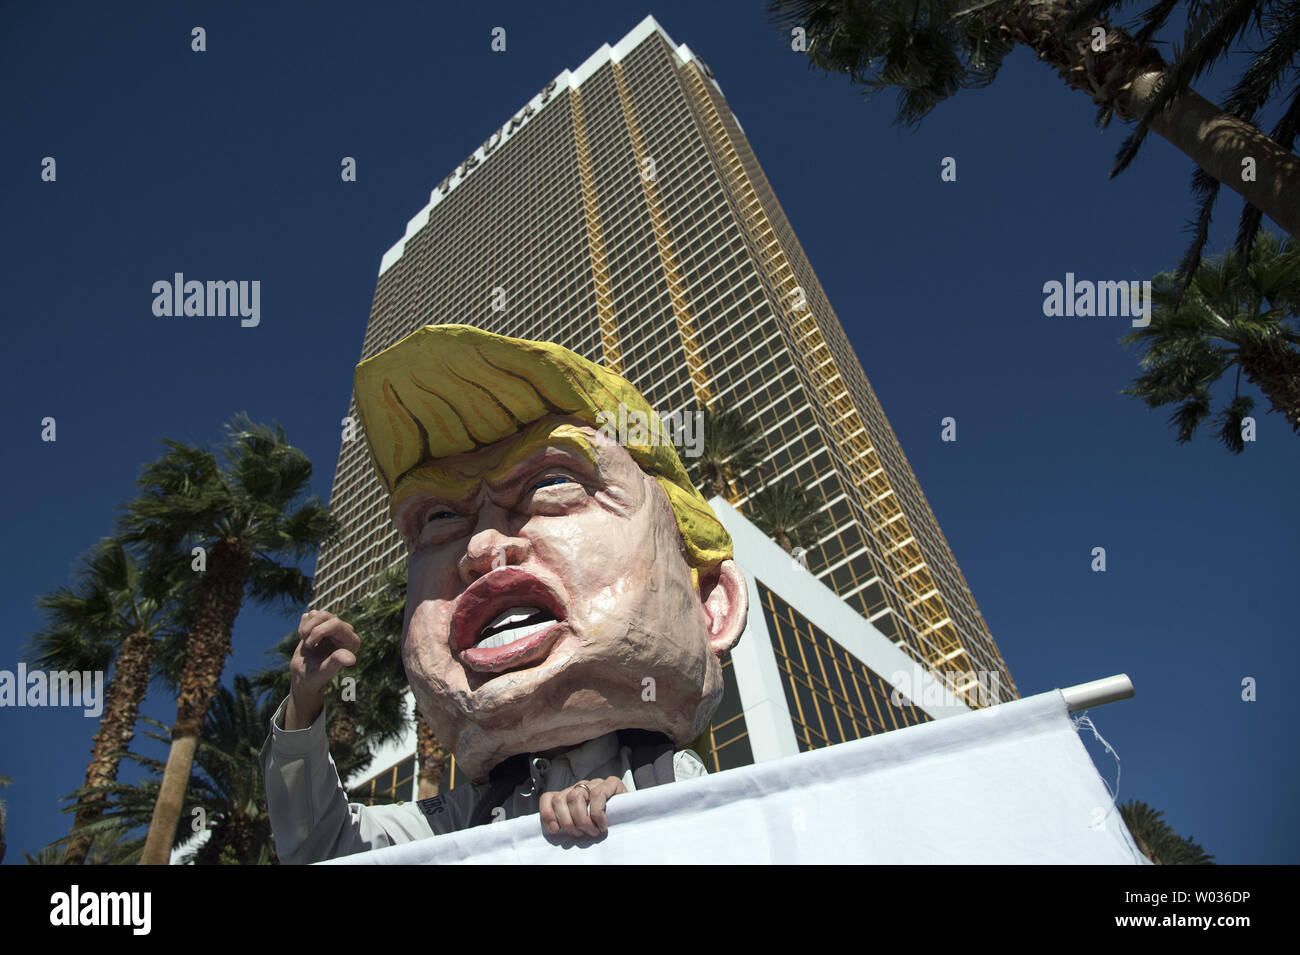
308	806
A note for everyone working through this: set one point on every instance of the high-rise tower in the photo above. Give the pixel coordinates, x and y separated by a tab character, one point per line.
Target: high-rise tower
623	214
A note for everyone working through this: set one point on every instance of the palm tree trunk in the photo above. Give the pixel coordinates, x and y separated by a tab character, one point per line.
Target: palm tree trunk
1276	372
171	799
126	691
430	754
344	737
1218	142
1126	76
342	733
220	596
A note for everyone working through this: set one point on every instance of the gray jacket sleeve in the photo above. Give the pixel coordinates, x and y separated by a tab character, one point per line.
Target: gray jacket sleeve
686	765
311	818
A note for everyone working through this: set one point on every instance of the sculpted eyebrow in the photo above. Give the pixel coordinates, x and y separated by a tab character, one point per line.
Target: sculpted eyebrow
513	472
562	442
541	440
417	490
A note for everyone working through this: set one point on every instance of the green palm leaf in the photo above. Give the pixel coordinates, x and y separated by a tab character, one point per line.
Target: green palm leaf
788	516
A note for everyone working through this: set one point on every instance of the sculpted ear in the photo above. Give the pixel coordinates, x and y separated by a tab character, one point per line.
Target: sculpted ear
725	599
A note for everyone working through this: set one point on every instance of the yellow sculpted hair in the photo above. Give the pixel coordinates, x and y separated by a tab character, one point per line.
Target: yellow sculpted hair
449	389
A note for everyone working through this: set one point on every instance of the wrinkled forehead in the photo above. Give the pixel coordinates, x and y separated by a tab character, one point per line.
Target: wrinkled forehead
458	477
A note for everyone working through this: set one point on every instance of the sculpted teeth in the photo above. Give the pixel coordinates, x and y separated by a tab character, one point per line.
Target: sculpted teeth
517	623
503	637
512	617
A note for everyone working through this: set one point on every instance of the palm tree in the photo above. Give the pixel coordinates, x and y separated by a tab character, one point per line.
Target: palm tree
379	622
1156	838
1229	315
226	783
1212	29
732	445
112	614
931	51
430	754
787	515
247	516
110	843
230	783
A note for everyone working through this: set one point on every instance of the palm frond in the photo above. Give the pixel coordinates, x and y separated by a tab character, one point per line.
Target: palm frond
928	51
1234	311
786	514
1158	840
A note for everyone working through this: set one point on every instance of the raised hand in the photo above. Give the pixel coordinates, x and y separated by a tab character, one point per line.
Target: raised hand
328	645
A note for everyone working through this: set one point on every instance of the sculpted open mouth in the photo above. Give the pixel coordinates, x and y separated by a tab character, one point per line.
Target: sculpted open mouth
506	620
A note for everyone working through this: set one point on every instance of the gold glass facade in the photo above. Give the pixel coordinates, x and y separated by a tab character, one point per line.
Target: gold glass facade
627	218
728	735
395	784
833	696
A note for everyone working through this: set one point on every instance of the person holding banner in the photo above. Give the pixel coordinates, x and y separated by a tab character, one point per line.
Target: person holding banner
569	598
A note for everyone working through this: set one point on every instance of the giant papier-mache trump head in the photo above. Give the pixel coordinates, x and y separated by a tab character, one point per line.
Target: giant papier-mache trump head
561	585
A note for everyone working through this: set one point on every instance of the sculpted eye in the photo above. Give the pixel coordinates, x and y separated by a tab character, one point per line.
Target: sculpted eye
551	481
425	522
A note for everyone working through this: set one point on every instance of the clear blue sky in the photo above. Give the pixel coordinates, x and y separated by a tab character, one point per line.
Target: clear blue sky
225	164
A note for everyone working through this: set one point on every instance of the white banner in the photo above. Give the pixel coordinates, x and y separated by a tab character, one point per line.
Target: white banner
1007	784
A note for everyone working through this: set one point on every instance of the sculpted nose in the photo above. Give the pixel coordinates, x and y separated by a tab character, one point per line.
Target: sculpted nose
488	550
